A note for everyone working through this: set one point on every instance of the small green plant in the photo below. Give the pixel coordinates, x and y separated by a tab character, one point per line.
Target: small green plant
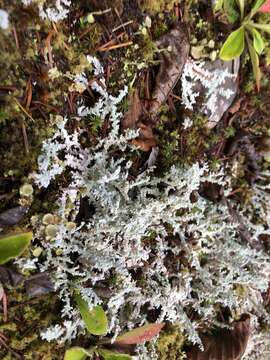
96	323
12	246
248	33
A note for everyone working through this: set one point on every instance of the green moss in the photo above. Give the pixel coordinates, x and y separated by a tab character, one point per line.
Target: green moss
170	343
26	318
156	5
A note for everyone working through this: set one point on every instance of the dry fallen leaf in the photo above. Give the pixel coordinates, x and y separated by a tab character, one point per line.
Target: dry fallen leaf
175	49
146	139
13	216
225	344
175	46
132	116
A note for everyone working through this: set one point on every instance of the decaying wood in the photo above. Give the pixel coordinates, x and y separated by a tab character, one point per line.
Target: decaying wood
225	344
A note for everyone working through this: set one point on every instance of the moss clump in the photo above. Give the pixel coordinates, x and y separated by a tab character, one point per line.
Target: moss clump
170	343
156	5
26	318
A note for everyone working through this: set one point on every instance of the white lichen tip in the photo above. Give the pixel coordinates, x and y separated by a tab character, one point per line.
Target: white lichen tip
4	23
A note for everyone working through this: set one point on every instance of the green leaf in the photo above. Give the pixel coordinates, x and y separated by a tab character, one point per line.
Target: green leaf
109	355
255	64
218	5
139	335
263	27
257	5
95	320
14	245
234	45
258	42
241	5
76	353
230	8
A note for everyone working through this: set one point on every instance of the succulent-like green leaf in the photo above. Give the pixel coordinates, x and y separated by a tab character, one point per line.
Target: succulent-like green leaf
14	245
258	42
76	353
234	45
263	27
110	355
95	320
255	64
139	335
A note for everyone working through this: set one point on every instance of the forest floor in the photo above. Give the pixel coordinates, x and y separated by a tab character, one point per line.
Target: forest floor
146	46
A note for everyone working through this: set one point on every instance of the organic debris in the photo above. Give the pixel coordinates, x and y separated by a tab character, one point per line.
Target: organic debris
174	50
13	216
110	252
224	344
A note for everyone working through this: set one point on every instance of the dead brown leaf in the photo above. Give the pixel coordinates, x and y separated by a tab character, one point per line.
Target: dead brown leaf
135	111
225	344
175	49
146	139
175	46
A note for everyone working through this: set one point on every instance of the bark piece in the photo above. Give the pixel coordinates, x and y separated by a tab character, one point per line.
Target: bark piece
225	344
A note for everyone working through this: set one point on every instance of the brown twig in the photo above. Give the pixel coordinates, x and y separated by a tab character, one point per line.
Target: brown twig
123	25
23	109
175	96
49	48
117	46
16	37
112	41
5	307
25	138
17	356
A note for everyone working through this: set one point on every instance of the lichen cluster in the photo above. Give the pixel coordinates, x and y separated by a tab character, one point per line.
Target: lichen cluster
161	244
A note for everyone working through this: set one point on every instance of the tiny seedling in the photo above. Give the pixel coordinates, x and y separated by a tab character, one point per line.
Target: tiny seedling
249	33
12	246
96	323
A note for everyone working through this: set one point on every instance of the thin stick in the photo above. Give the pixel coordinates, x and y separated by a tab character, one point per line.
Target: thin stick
17	356
111	42
5	309
23	109
175	96
25	138
16	38
117	46
122	25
